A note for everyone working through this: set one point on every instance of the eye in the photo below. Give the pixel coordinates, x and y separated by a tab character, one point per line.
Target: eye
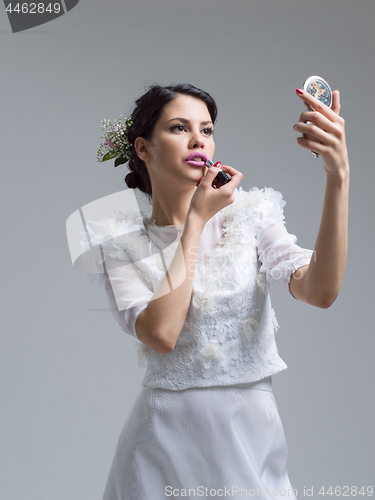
208	131
178	128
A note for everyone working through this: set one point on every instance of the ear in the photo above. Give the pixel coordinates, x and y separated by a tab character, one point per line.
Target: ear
142	149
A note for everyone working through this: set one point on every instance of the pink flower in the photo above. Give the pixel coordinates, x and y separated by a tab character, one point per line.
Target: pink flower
110	144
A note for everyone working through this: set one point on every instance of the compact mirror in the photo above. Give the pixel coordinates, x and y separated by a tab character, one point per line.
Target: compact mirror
318	88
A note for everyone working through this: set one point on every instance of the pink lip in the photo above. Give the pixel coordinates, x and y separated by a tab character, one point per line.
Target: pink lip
196	163
190	158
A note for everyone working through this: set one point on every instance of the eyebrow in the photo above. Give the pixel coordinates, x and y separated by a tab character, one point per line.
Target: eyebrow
184	120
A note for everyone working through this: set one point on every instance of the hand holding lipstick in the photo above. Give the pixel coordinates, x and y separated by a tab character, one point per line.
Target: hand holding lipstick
208	199
221	178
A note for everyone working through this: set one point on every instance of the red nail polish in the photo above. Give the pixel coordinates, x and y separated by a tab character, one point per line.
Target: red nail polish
221	178
197	184
299	91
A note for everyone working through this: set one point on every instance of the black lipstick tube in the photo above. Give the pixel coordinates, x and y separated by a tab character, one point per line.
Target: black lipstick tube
222	177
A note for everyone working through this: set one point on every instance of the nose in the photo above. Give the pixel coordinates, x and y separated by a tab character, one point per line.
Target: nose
197	141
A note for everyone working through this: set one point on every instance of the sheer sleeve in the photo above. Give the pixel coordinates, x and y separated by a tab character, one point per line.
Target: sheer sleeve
127	296
278	252
106	251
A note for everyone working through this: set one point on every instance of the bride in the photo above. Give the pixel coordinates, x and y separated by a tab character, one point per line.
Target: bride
195	294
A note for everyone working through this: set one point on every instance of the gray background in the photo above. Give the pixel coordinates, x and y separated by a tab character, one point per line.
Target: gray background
68	373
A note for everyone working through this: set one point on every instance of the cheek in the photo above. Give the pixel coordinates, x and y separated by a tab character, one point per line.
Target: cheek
156	151
162	147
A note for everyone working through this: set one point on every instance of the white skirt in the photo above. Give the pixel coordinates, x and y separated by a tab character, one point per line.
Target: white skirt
210	442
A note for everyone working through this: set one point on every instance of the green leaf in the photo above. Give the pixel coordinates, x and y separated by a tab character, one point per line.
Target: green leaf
108	156
120	161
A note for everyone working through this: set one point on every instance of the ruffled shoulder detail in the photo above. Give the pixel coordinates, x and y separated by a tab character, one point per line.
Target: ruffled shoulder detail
259	205
121	238
111	237
249	210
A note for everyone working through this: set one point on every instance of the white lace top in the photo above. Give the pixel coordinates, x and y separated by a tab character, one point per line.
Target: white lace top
229	332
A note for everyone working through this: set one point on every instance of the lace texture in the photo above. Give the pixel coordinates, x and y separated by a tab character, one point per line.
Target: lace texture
229	333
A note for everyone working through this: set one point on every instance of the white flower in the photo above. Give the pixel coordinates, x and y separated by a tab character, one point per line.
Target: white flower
203	301
136	244
145	276
251	325
117	143
263	283
211	352
270	207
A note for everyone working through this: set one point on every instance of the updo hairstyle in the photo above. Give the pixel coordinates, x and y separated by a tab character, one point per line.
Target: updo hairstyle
144	117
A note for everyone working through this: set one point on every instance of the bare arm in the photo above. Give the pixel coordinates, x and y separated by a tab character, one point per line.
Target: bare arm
163	318
319	283
159	325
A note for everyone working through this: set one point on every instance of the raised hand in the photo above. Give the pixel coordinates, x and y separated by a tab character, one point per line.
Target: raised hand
319	282
324	132
208	200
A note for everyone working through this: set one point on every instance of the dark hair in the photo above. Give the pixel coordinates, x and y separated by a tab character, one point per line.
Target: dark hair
144	117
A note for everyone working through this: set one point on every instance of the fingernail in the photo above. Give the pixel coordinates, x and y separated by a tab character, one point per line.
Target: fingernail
299	91
197	184
217	164
295	126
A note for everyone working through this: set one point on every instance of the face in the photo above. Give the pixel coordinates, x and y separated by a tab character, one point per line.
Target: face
181	142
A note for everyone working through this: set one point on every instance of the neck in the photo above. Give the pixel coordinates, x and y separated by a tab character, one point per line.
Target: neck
170	206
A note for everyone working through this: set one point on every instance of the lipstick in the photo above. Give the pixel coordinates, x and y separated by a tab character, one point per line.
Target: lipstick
197	159
222	177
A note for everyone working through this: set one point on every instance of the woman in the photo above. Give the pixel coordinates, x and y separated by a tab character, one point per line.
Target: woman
194	292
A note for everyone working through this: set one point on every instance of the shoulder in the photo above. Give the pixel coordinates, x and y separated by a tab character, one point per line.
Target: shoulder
256	204
115	232
111	237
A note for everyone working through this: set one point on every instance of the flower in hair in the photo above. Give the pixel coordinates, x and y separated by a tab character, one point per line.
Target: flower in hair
116	141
